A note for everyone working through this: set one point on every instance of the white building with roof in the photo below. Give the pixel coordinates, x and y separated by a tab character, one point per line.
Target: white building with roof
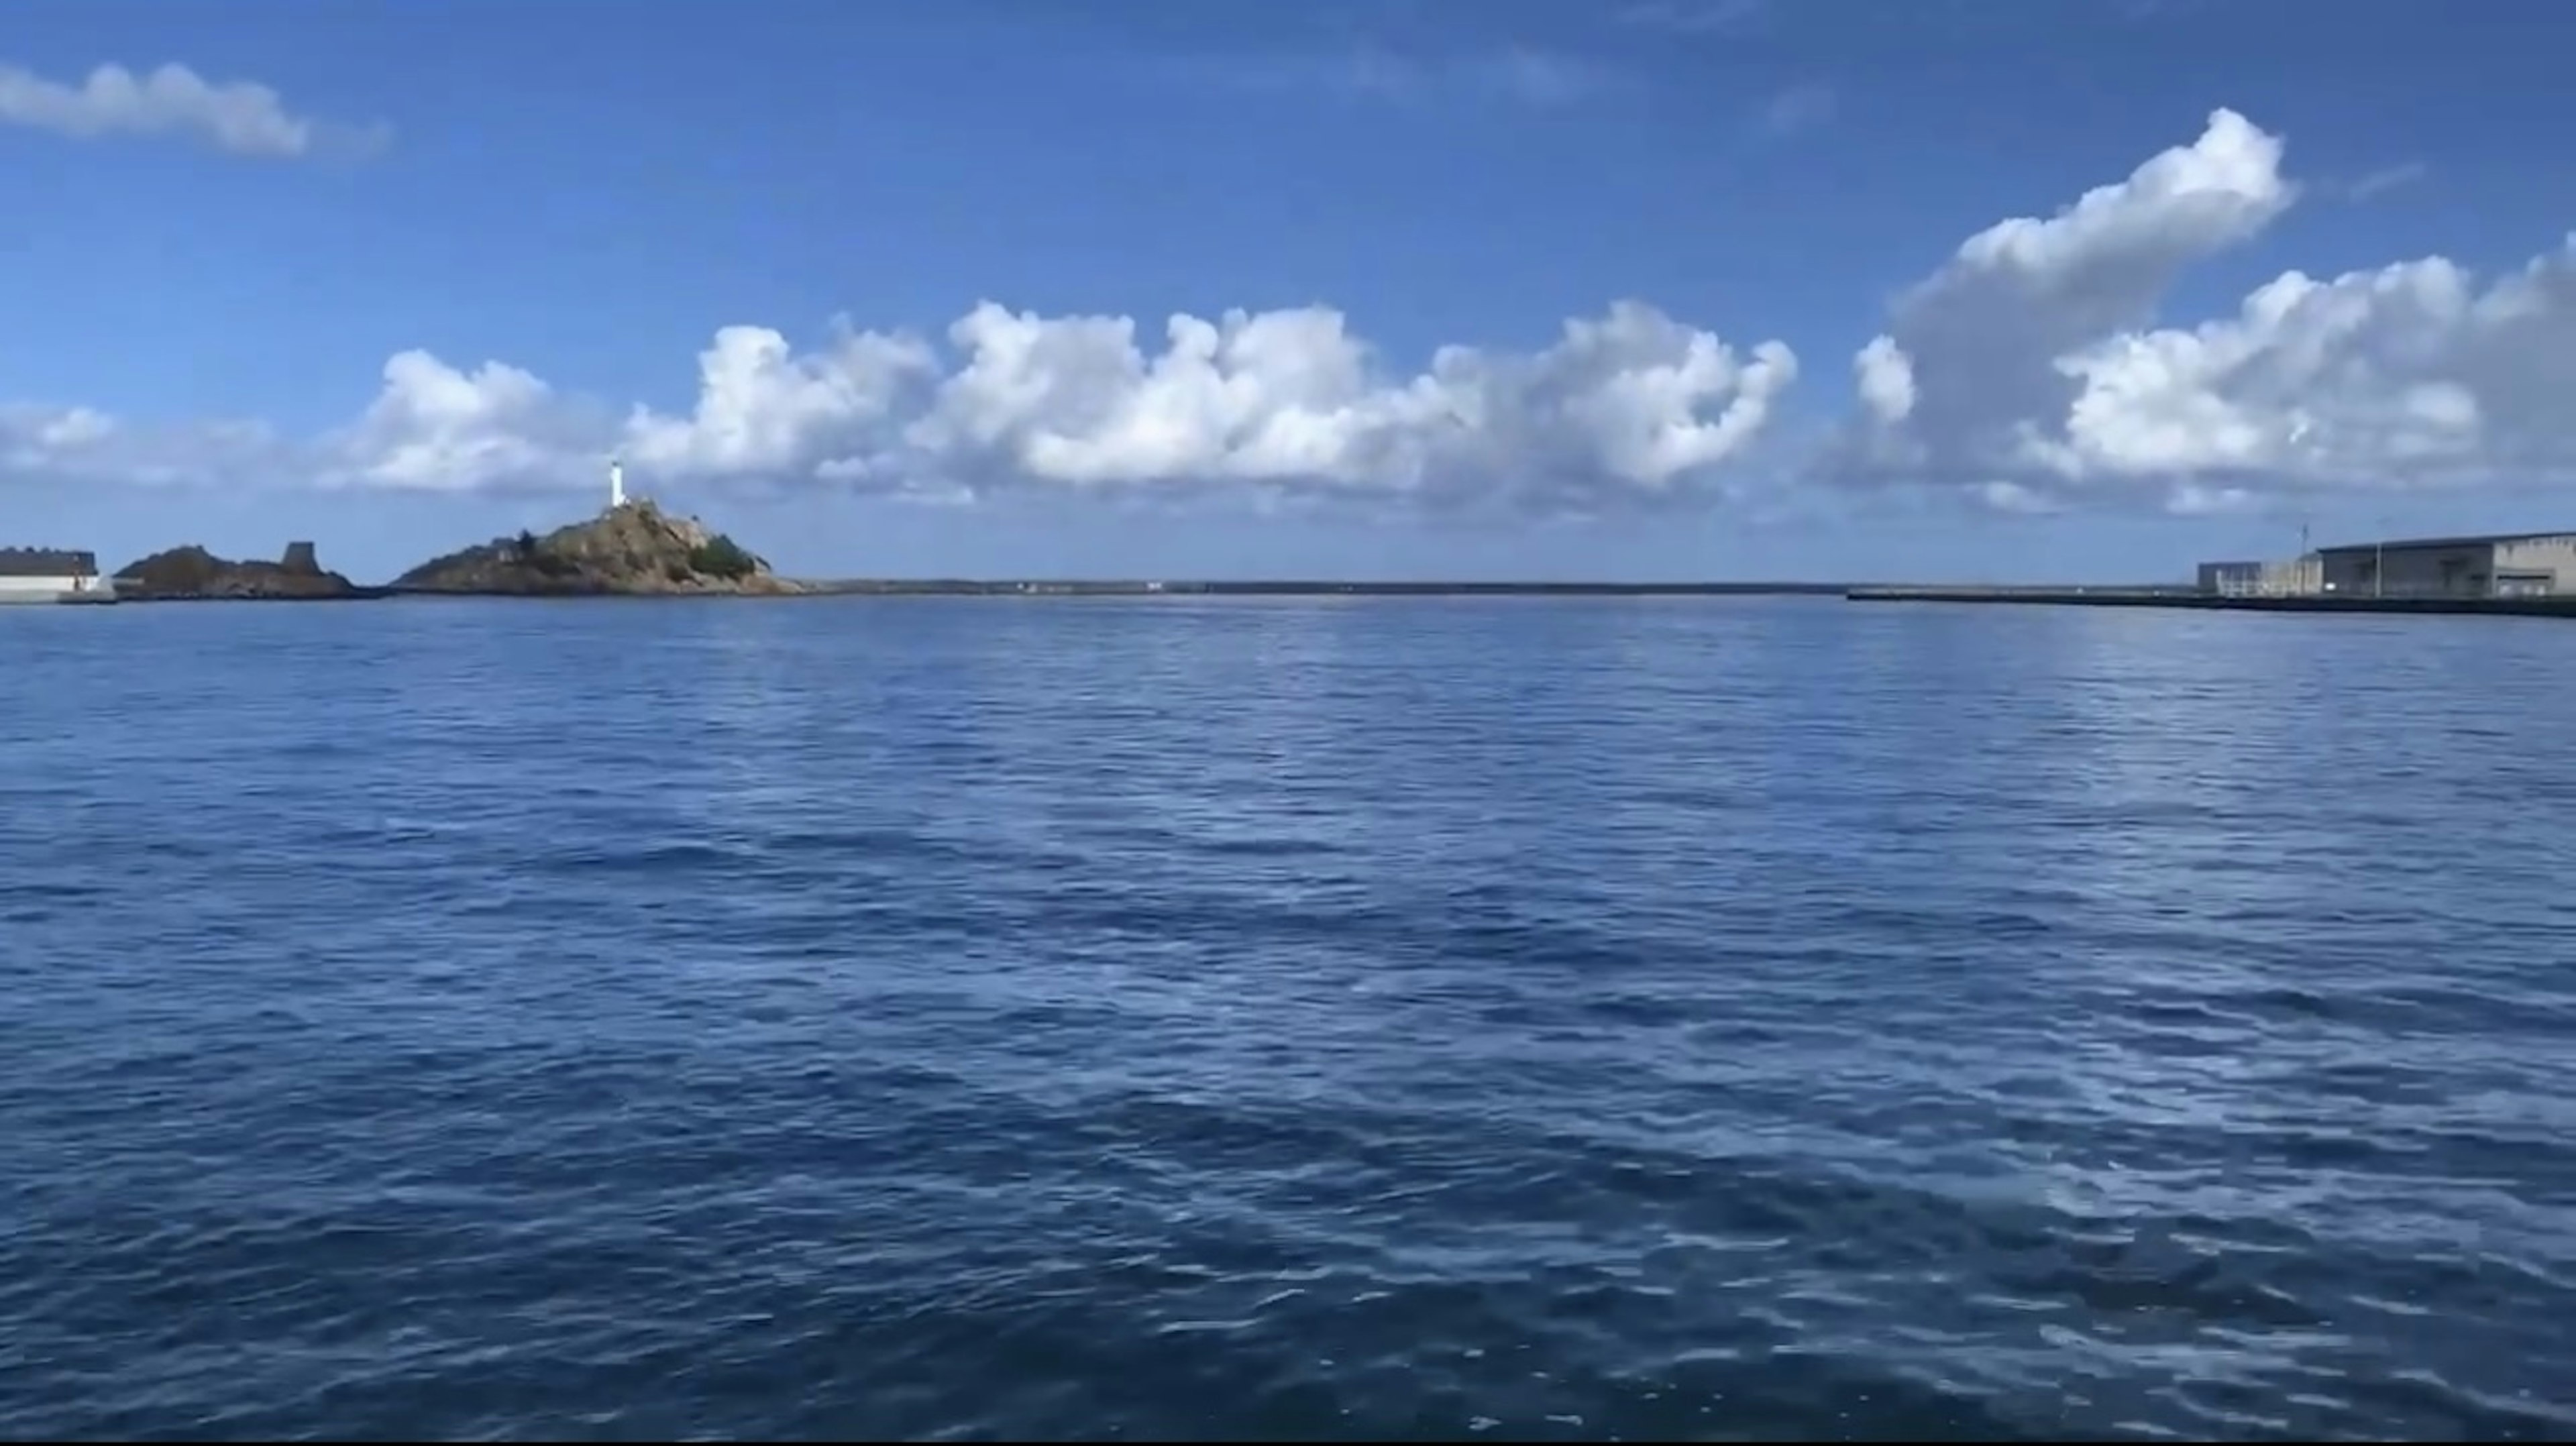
49	574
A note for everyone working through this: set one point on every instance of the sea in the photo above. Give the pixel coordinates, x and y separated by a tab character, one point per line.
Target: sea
1326	1018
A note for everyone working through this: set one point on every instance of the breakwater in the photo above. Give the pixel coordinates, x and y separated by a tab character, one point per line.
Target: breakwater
1078	587
2153	597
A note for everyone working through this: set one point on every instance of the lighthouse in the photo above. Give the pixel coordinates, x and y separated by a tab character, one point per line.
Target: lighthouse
616	484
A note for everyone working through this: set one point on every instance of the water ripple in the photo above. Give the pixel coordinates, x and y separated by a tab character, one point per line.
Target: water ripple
1421	1019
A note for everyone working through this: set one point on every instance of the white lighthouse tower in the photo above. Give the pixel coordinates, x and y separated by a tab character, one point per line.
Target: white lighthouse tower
616	484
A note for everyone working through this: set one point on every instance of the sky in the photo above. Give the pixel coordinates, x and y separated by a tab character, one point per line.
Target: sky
1934	290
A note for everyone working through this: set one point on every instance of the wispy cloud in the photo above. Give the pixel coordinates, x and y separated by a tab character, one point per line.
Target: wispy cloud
1795	109
2386	178
1536	76
239	116
1517	74
2141	11
1693	17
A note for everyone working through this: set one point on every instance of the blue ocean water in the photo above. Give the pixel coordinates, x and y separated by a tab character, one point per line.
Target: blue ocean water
1147	1019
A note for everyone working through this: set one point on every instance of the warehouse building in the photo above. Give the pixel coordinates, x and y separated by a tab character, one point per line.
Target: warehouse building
2517	564
48	574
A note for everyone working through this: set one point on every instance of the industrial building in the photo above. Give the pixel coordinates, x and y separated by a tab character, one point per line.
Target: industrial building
2502	565
2517	564
48	574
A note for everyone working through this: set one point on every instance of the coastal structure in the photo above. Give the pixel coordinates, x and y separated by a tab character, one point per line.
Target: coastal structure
616	484
2300	576
50	575
2230	577
2503	574
2491	565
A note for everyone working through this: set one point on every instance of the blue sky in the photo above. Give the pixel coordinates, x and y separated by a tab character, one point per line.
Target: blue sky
205	285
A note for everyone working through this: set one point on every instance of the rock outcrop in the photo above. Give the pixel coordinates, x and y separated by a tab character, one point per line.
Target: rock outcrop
634	549
194	573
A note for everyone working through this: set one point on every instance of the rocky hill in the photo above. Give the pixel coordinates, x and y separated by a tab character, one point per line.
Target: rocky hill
190	573
631	549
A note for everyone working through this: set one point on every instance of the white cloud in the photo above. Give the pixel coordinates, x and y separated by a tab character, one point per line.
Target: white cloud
764	409
1884	376
55	438
2032	370
238	116
435	428
2029	371
1626	407
82	446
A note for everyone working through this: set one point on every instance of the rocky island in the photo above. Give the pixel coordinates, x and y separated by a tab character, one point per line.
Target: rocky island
633	548
188	574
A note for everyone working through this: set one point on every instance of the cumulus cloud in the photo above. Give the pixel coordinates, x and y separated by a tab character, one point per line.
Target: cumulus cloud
2032	370
1627	407
434	427
765	409
237	116
2029	371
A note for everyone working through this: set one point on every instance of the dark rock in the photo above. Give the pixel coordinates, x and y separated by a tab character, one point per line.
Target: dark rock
192	572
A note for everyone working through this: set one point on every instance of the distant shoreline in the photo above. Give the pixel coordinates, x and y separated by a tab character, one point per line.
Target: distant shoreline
2104	596
1276	587
1072	587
